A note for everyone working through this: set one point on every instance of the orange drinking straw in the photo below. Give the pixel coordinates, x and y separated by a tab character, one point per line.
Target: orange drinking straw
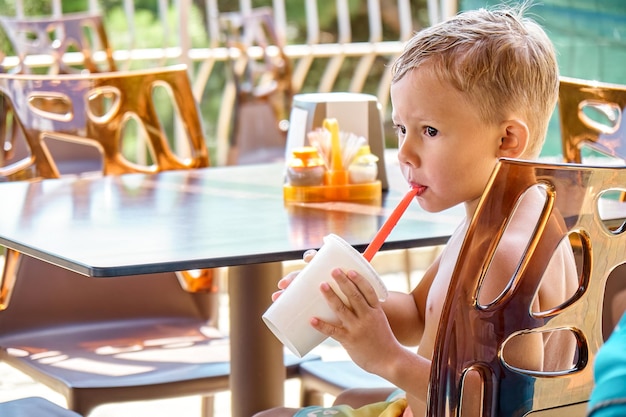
389	224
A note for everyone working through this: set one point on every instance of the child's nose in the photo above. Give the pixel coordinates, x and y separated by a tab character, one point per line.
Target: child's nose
407	154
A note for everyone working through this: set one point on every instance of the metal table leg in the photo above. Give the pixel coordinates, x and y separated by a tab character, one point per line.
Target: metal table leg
257	365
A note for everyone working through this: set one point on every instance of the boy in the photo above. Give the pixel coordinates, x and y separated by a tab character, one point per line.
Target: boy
465	92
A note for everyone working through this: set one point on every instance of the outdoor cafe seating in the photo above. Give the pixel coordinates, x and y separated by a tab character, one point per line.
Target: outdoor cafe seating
97	321
263	87
590	115
474	332
591	120
53	39
34	406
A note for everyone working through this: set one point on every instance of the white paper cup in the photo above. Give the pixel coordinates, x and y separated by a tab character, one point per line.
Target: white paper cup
288	317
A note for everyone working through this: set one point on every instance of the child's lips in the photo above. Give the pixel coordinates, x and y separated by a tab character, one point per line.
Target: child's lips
420	189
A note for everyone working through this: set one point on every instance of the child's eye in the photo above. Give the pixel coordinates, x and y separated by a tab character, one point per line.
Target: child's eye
400	129
430	131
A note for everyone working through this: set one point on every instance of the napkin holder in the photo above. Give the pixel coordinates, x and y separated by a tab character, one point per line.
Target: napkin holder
358	113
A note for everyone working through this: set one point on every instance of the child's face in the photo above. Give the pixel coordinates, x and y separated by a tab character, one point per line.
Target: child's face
444	146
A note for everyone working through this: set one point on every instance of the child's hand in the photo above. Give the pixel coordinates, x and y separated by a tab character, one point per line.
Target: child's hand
363	329
287	279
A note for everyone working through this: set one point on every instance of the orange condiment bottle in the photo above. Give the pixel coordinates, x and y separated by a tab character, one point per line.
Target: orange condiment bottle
306	168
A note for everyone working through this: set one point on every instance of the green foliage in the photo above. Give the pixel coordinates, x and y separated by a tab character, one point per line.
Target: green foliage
149	5
149	30
34	8
31	8
74	6
5	45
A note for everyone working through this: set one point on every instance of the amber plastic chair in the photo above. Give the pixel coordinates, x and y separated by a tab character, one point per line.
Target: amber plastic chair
473	332
96	110
33	407
591	116
574	192
99	341
262	77
49	39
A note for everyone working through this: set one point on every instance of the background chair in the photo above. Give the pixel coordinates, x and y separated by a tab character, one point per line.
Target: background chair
33	406
53	40
54	37
473	334
333	378
98	341
591	115
262	74
105	111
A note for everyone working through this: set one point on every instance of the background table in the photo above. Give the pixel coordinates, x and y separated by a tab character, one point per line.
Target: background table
215	217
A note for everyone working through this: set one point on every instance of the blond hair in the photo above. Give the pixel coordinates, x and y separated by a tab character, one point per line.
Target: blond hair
502	62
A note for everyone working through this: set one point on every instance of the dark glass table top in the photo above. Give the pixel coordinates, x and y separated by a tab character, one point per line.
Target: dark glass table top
179	220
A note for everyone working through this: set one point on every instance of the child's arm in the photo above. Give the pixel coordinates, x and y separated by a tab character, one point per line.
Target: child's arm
405	312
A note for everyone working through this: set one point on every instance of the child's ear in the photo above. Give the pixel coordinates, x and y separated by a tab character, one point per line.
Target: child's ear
514	140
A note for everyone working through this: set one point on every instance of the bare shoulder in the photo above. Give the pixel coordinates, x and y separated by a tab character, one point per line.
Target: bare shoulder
560	276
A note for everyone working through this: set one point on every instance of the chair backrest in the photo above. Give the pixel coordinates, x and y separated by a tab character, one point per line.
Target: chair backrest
97	109
55	36
472	333
591	114
46	296
262	75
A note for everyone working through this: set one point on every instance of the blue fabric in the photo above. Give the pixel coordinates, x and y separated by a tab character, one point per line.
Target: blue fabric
608	398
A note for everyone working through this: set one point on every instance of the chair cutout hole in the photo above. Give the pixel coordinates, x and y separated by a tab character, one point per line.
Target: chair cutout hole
600	115
501	272
614	303
51	105
103	104
57	37
70	45
134	142
54	34
570	262
89	33
611	206
563	352
28	37
8	124
472	393
170	119
72	154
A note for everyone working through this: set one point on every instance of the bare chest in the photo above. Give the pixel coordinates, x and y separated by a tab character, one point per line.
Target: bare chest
437	295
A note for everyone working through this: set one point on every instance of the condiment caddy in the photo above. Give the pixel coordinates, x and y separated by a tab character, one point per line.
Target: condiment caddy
330	173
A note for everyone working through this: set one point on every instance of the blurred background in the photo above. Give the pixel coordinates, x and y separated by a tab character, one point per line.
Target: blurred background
590	36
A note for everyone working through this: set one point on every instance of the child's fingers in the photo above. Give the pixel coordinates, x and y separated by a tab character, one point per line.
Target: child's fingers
287	280
356	288
365	288
334	301
326	328
308	255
